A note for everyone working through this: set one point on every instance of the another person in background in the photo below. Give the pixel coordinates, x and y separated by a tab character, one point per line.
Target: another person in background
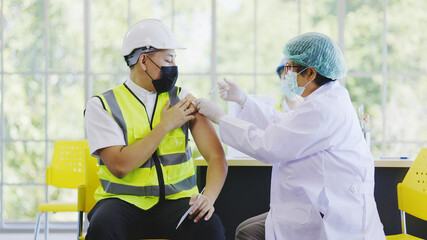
322	184
139	130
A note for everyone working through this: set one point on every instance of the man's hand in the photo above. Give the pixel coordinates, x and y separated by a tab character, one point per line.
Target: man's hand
201	208
177	115
191	98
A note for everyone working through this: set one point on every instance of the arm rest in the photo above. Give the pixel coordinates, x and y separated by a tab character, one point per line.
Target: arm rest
81	198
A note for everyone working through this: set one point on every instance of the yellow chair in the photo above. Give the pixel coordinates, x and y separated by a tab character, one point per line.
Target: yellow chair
412	194
65	171
86	191
86	200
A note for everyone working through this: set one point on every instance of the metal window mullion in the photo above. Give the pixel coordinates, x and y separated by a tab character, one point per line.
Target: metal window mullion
24	184
384	75
129	14
46	47
88	55
356	74
173	15
23	140
213	47
43	72
299	17
341	7
255	46
404	142
2	148
88	50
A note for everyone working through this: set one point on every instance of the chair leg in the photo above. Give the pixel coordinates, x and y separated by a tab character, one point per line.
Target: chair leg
403	221
37	227
46	226
80	225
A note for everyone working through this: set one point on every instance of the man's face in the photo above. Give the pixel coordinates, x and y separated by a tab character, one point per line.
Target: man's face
158	59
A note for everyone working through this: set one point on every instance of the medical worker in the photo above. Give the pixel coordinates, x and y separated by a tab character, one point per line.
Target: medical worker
290	100
322	184
254	227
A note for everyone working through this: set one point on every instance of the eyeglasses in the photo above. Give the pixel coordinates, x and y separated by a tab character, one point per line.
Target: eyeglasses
289	67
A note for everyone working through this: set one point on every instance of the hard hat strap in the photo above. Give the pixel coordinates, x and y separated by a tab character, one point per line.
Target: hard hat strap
133	57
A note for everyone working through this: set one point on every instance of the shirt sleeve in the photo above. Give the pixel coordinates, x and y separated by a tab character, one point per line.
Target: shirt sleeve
290	137
101	129
258	113
184	92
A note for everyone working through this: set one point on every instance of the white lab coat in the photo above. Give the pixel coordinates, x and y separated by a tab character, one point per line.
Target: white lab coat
321	163
285	106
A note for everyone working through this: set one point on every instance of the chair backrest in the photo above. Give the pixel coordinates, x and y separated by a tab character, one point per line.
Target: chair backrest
91	183
412	192
67	167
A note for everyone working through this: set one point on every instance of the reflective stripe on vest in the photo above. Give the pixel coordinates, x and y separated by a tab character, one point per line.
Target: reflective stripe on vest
175	165
170	189
171	159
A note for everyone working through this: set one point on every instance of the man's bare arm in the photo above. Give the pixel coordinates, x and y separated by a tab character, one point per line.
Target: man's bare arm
210	147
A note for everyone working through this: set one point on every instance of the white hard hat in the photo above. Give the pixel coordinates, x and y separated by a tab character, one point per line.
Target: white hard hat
149	33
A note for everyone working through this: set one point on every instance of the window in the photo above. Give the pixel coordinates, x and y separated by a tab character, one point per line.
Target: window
55	54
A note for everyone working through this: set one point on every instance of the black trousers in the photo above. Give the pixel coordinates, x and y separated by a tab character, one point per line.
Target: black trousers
115	219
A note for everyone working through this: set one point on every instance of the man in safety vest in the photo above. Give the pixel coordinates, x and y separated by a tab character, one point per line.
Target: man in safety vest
139	130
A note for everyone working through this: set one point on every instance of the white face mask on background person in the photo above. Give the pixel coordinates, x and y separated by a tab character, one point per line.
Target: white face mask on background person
291	79
285	89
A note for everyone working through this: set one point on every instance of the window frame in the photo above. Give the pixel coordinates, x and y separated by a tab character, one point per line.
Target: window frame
213	74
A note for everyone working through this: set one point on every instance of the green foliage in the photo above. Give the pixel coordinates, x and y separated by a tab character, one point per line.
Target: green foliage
108	27
17	203
363	49
23	51
250	36
406	43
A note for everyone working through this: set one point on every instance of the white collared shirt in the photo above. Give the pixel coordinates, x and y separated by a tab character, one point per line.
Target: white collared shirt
102	130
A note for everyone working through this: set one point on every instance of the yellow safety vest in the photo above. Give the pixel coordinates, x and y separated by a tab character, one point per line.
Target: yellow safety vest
168	174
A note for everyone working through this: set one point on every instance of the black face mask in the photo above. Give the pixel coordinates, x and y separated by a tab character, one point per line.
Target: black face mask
168	77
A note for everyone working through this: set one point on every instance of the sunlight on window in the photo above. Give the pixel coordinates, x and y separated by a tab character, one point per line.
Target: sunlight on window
46	74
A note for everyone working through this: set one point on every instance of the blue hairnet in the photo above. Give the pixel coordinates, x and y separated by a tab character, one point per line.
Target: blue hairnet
318	51
281	65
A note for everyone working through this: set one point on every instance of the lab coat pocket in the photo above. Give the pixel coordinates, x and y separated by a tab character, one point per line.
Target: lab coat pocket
296	212
300	221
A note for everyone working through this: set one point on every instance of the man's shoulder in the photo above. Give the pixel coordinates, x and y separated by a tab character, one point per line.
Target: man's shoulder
183	92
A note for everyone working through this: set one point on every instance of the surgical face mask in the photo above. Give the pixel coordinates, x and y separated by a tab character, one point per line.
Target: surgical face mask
167	80
291	79
285	89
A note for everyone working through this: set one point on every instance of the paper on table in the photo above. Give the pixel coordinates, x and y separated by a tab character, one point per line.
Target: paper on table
189	209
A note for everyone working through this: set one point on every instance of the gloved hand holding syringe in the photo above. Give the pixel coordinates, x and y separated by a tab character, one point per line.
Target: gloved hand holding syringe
212	91
229	91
